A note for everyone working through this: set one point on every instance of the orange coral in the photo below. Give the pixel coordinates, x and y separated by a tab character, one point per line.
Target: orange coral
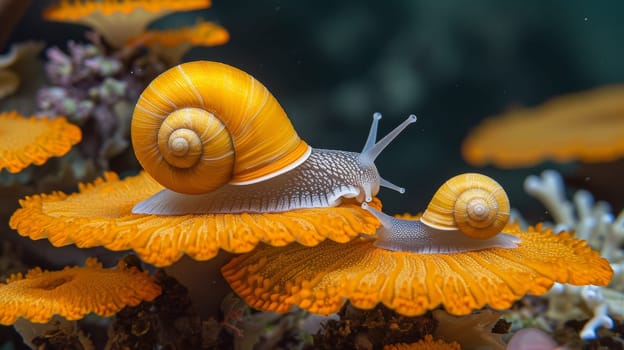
425	344
172	44
321	278
203	33
24	141
73	292
101	214
586	126
118	20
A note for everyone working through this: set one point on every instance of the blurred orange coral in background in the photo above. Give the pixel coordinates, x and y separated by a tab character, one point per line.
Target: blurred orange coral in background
33	140
172	44
118	20
586	126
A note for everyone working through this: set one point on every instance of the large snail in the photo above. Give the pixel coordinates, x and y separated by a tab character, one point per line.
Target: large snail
219	142
467	213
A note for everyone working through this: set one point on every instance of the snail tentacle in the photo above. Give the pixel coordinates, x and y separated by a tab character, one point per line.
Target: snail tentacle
387	184
416	237
372	149
372	133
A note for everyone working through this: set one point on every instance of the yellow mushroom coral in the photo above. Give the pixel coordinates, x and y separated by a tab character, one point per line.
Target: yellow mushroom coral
586	126
73	292
172	44
413	266
101	214
118	20
33	140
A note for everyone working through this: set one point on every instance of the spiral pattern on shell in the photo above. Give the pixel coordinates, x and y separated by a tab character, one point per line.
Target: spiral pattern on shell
471	203
203	124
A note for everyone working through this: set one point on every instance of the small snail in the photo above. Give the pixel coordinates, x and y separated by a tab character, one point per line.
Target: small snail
467	213
219	142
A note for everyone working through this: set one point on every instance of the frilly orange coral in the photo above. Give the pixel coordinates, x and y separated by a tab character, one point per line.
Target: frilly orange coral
321	278
24	141
73	292
586	126
118	20
101	214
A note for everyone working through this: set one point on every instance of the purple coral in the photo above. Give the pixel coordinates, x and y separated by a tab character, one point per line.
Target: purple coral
95	89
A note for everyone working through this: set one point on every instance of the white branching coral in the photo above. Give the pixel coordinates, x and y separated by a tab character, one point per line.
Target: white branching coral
593	222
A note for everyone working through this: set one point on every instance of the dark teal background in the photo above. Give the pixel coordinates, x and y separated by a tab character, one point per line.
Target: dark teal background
333	63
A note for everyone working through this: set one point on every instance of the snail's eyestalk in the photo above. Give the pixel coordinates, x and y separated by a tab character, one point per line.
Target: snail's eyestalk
372	148
387	184
372	134
368	195
385	219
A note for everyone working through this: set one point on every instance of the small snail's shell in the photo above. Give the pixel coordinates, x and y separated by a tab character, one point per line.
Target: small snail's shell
472	203
203	124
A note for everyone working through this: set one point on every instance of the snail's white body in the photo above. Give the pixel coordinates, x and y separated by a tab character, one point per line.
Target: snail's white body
417	237
322	180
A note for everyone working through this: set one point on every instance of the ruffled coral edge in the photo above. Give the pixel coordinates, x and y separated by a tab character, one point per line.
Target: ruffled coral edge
56	142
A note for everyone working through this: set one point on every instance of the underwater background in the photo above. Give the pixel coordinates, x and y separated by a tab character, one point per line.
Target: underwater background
332	64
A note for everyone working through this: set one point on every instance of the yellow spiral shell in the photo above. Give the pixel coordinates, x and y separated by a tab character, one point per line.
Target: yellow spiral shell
203	124
472	203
